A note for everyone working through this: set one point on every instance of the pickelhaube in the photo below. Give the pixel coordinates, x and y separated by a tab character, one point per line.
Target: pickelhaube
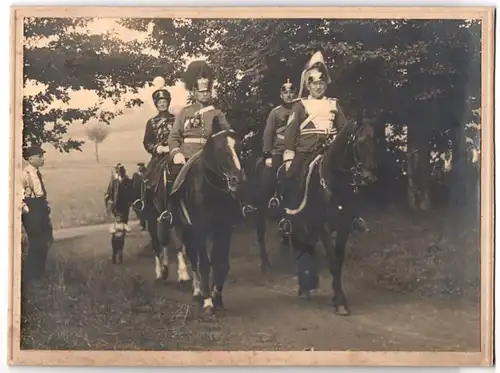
287	86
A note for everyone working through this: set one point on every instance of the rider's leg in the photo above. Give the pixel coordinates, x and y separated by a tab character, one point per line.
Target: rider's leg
291	191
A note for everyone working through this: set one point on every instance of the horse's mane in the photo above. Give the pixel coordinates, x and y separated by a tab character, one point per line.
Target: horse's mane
334	151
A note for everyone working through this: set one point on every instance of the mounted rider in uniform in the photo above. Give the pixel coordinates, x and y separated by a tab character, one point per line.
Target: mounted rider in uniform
193	125
274	138
314	121
156	141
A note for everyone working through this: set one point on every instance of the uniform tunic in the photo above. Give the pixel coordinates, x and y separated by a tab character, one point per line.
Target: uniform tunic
274	138
36	222
311	121
193	126
309	125
157	131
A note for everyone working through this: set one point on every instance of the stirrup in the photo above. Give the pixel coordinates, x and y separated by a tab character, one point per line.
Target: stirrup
359	224
285	226
247	209
134	205
274	203
166	216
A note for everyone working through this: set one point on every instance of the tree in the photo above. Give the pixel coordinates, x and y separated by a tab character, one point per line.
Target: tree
61	59
411	73
97	134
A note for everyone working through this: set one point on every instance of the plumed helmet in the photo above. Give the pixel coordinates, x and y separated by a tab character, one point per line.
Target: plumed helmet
198	75
160	90
314	70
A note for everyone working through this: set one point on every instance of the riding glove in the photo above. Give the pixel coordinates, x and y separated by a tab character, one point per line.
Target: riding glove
179	159
269	162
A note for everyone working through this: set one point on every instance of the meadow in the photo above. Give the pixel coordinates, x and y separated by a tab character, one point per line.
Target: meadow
76	183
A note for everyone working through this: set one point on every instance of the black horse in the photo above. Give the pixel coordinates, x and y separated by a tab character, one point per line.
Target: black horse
205	202
329	204
264	202
151	203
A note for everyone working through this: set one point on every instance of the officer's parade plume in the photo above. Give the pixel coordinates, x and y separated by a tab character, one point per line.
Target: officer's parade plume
317	61
198	72
159	82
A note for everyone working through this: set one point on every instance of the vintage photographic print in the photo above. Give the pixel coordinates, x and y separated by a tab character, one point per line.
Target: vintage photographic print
252	186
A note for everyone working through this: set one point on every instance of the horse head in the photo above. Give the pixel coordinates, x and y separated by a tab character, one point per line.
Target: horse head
221	158
353	150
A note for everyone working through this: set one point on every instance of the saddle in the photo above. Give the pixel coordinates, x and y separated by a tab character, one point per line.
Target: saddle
181	177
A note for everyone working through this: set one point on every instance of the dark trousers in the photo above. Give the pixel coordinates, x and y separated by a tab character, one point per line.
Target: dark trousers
142	218
117	243
295	178
38	228
124	210
270	179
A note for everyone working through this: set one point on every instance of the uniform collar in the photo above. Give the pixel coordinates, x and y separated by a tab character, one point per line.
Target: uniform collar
317	99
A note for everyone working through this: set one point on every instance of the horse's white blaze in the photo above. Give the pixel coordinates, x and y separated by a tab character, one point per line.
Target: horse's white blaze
208	303
232	143
182	271
158	267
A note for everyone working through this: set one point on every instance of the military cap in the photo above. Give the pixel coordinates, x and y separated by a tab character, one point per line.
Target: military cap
314	70
159	94
32	150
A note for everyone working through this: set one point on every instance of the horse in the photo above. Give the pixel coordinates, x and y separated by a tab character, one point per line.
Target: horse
152	203
264	203
205	202
328	204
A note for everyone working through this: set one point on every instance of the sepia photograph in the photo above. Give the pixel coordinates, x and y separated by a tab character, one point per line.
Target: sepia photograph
251	186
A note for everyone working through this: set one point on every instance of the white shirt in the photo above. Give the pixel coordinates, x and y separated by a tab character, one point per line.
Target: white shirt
32	187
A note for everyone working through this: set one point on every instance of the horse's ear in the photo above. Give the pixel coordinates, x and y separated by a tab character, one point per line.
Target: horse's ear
216	125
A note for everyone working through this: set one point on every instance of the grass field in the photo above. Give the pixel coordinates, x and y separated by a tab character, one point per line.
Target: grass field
76	183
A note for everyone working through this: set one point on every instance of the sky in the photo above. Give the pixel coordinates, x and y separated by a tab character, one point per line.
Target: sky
86	98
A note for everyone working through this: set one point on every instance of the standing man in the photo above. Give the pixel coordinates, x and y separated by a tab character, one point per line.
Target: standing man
137	181
274	138
35	214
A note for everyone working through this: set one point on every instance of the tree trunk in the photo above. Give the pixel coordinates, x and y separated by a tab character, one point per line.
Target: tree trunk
418	167
96	151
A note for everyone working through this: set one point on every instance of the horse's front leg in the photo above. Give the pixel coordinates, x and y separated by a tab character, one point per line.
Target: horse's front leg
220	261
162	259
335	257
261	239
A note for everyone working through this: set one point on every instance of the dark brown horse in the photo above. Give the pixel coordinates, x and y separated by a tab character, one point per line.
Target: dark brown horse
329	204
204	203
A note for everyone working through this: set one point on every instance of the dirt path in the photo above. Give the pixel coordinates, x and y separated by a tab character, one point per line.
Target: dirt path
263	311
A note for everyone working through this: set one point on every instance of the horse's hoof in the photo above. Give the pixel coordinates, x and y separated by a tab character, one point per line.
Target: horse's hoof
217	301
265	267
306	293
198	299
341	310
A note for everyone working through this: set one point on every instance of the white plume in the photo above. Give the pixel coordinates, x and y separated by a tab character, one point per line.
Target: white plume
159	82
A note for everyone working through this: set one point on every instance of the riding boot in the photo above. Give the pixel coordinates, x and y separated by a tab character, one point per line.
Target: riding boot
307	268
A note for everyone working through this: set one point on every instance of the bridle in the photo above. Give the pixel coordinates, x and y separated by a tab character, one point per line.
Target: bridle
218	172
357	179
